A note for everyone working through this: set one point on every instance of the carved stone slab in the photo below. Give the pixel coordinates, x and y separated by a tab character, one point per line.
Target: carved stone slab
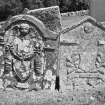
30	50
82	55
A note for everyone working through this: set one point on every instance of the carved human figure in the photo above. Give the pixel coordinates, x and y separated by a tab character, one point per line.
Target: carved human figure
24	53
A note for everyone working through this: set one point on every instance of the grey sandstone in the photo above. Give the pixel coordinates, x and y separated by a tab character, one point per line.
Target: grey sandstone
43	64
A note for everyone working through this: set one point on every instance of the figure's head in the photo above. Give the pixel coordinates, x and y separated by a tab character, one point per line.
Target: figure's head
24	28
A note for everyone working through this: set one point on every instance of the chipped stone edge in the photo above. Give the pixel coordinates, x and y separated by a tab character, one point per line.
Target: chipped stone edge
76	13
87	19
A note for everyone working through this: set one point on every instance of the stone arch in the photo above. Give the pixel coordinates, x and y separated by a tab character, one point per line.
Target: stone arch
30	19
24	55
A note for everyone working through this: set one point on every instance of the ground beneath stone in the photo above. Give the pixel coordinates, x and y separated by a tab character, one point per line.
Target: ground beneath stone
77	97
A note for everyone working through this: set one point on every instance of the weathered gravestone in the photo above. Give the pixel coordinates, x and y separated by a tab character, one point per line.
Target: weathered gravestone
82	56
29	50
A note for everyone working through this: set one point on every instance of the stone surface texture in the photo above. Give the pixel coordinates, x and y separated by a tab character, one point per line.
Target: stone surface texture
29	52
79	61
52	20
82	56
49	16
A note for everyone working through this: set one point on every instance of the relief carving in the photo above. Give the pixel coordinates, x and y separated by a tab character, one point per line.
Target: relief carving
87	31
100	59
73	63
24	54
28	46
88	28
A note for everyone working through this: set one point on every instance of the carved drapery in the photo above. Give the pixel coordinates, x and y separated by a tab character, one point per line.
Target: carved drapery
24	54
30	54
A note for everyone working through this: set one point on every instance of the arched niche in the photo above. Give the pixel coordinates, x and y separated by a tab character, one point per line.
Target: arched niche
25	53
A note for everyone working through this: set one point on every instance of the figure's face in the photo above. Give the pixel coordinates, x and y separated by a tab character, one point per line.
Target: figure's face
24	28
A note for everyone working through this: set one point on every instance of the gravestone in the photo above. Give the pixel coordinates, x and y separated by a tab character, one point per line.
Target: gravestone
82	56
29	51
